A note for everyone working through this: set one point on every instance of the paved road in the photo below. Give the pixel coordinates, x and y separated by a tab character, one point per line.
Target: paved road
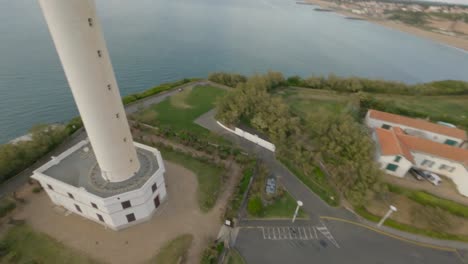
356	245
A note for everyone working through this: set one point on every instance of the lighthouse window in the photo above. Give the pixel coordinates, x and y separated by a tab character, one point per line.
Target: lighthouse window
126	204
117	115
90	22
99	53
100	218
109	87
78	208
130	217
154	187
125	139
70	195
94	205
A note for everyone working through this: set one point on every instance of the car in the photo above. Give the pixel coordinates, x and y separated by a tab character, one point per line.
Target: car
419	175
433	178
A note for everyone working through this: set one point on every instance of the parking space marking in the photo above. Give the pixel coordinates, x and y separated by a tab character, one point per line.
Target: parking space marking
296	233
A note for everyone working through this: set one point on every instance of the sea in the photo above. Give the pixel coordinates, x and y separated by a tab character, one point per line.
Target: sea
157	41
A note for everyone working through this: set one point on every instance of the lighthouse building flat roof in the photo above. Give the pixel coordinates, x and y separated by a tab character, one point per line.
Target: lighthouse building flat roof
80	169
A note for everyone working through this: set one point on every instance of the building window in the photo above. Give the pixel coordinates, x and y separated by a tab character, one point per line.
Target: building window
126	204
427	163
397	159
94	205
446	168
90	22
50	187
99	53
100	218
154	187
71	195
78	208
130	217
451	142
109	87
391	167
385	126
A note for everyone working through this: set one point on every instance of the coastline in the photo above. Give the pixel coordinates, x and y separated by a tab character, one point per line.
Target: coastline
454	42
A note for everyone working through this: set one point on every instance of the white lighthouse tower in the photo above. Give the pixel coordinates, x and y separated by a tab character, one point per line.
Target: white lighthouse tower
93	176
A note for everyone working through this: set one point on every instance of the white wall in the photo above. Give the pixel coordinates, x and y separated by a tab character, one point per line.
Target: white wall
109	208
403	165
253	138
459	176
371	122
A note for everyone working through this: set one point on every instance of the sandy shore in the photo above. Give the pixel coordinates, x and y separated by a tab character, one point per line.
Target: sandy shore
440	38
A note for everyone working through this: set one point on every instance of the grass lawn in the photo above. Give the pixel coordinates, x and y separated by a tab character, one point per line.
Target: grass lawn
234	257
208	175
305	100
452	106
21	244
283	207
175	250
180	111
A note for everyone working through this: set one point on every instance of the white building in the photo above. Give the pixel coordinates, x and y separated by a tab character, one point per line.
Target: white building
108	178
397	152
417	127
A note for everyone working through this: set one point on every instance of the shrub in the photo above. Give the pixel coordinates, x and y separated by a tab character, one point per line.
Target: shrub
255	206
36	189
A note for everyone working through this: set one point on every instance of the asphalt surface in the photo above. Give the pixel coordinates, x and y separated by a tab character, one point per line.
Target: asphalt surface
356	245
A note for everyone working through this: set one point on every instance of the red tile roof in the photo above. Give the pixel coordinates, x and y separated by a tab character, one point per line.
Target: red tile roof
391	145
418	124
396	142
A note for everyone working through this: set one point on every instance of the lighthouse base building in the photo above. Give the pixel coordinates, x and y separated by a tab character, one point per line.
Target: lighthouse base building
73	180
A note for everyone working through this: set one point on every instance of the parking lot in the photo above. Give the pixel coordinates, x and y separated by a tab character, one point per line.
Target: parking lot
354	244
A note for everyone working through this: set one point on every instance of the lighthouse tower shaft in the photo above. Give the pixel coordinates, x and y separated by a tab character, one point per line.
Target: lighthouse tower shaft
77	35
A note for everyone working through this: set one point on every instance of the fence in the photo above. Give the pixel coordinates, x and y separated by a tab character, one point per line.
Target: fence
250	137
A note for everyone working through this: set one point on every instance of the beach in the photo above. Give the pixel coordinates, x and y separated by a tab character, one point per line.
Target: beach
453	41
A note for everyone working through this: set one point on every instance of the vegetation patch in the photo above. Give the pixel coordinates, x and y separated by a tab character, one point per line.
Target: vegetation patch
408	228
264	205
325	192
155	90
164	115
234	257
6	206
174	251
209	175
236	200
21	244
428	199
212	253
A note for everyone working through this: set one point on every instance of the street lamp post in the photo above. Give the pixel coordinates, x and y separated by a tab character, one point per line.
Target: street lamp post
299	204
387	215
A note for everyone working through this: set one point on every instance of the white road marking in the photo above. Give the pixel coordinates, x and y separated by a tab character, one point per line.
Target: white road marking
296	233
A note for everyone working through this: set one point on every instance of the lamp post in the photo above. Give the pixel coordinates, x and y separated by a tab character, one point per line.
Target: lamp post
387	215
299	204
